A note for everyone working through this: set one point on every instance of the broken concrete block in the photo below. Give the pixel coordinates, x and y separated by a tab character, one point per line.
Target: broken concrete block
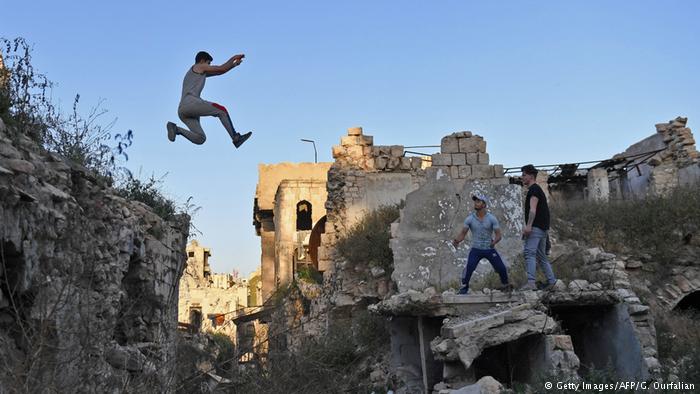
449	145
561	342
442	159
459	159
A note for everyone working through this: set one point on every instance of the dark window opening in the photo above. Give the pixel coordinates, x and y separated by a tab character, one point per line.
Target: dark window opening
304	216
691	302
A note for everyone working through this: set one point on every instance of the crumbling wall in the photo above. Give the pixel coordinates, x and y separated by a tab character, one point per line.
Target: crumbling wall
89	280
363	178
677	163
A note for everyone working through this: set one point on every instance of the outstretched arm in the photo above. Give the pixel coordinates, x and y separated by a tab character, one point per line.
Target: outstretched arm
222	69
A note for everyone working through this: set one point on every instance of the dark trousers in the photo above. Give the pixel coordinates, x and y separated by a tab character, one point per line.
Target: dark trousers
475	255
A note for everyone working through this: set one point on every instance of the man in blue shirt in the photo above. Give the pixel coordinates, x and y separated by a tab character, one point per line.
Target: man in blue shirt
482	224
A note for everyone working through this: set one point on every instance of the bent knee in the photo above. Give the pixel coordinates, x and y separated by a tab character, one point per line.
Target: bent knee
199	140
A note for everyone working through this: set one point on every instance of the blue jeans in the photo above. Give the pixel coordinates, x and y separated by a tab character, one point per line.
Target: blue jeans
475	255
535	252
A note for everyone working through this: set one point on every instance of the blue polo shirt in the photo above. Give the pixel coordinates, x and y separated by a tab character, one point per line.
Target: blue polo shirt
481	229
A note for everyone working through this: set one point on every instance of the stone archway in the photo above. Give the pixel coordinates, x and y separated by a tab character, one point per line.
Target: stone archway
315	240
689	302
684	283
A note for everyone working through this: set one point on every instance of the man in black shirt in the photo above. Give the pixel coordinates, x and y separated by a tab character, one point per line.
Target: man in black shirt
535	231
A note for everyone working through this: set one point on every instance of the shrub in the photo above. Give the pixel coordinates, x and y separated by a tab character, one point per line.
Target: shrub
655	225
367	242
677	342
26	105
333	363
149	193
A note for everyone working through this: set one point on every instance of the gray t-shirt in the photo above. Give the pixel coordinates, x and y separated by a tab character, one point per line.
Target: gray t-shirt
192	84
481	229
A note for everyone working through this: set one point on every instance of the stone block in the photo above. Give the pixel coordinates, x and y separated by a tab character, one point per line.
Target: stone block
355	131
482	171
498	171
468	145
405	163
437	172
394	163
454	172
376	150
325	265
560	342
459	159
449	145
442	159
472	158
362	140
662	127
462	134
465	171
482	158
481	146
416	163
367	150
355	150
397	150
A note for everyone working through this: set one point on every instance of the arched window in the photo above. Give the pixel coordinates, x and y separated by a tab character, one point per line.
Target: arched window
303	215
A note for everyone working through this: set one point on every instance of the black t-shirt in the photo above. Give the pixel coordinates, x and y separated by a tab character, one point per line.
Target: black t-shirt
542	214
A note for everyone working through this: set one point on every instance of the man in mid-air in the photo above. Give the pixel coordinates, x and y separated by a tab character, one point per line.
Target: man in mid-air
192	107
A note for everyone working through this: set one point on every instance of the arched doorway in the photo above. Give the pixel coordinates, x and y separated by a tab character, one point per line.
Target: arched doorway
315	240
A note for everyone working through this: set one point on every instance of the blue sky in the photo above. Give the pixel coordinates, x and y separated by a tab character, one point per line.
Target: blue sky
543	82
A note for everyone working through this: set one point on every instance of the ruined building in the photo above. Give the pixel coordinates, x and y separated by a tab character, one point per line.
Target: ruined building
440	341
289	217
664	160
88	281
210	301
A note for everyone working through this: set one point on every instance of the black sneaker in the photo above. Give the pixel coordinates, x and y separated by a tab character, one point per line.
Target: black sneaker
172	131
239	139
463	291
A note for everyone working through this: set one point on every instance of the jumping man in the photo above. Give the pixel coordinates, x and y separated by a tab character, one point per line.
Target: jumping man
192	107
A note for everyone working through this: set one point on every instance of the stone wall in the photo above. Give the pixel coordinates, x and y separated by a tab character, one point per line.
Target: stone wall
88	296
363	178
434	214
677	164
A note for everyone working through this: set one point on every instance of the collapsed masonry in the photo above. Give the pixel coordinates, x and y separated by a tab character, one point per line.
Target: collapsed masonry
443	342
564	330
655	165
88	279
209	301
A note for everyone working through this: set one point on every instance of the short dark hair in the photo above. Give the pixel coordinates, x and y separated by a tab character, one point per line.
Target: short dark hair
201	55
529	169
